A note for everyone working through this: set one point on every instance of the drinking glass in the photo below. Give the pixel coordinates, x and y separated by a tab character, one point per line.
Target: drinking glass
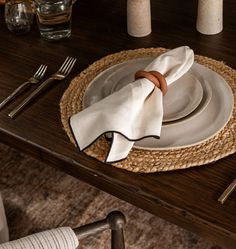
18	16
54	18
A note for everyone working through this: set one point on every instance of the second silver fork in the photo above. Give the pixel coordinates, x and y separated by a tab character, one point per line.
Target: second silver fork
63	72
33	80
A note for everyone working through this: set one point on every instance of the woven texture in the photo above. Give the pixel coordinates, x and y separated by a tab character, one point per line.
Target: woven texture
149	161
59	238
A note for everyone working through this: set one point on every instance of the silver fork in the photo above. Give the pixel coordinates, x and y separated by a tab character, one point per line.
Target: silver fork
64	71
33	80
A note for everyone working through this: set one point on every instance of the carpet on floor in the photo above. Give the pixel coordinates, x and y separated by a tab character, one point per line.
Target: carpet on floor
38	197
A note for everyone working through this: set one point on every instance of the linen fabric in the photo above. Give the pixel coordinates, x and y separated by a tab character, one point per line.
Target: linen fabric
4	234
60	238
132	113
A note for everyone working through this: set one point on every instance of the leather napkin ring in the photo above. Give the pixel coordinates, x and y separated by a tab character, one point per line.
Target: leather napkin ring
155	77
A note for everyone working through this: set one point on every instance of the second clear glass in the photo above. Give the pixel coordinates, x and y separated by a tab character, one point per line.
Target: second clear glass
18	16
54	18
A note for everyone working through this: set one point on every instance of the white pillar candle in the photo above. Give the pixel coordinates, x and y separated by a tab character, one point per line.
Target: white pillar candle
4	236
138	17
210	16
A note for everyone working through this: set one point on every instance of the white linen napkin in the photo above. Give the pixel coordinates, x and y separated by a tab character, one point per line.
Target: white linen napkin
59	238
132	113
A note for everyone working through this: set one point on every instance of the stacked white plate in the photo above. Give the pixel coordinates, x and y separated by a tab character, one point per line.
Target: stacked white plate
196	107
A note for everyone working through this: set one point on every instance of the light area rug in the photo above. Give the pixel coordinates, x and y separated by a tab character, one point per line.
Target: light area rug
39	197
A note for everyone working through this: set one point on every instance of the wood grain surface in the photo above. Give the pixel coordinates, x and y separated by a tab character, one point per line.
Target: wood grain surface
185	197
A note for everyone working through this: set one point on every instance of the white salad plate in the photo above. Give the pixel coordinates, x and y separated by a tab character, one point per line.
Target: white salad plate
199	104
180	100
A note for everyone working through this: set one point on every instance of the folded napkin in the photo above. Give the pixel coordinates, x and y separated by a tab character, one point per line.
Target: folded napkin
59	238
132	113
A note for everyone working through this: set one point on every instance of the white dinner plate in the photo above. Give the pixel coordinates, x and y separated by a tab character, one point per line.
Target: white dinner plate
211	113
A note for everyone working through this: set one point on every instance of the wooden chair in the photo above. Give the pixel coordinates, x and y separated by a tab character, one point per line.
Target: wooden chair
114	221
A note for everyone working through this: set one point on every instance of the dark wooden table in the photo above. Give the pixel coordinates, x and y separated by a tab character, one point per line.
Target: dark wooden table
185	197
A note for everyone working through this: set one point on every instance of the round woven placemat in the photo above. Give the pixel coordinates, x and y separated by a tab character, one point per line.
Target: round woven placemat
148	161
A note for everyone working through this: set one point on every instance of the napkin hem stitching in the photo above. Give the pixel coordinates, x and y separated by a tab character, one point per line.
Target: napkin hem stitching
131	140
111	131
112	139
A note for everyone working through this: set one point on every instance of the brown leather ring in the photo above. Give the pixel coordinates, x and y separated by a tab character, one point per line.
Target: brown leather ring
144	74
155	77
162	81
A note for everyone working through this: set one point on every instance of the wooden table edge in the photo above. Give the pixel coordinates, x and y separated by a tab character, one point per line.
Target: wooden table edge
162	209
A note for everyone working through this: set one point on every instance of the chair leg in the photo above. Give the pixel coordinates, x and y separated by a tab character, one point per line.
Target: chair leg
117	239
117	221
114	221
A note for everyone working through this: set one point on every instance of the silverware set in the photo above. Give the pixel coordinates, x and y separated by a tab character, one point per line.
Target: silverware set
61	74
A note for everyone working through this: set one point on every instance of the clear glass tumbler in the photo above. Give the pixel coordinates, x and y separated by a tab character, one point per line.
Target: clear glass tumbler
54	18
18	16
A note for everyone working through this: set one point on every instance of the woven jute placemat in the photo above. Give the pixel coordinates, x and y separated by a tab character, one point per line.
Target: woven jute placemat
148	161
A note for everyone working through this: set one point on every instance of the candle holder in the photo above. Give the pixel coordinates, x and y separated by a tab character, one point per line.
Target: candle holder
210	17
138	18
